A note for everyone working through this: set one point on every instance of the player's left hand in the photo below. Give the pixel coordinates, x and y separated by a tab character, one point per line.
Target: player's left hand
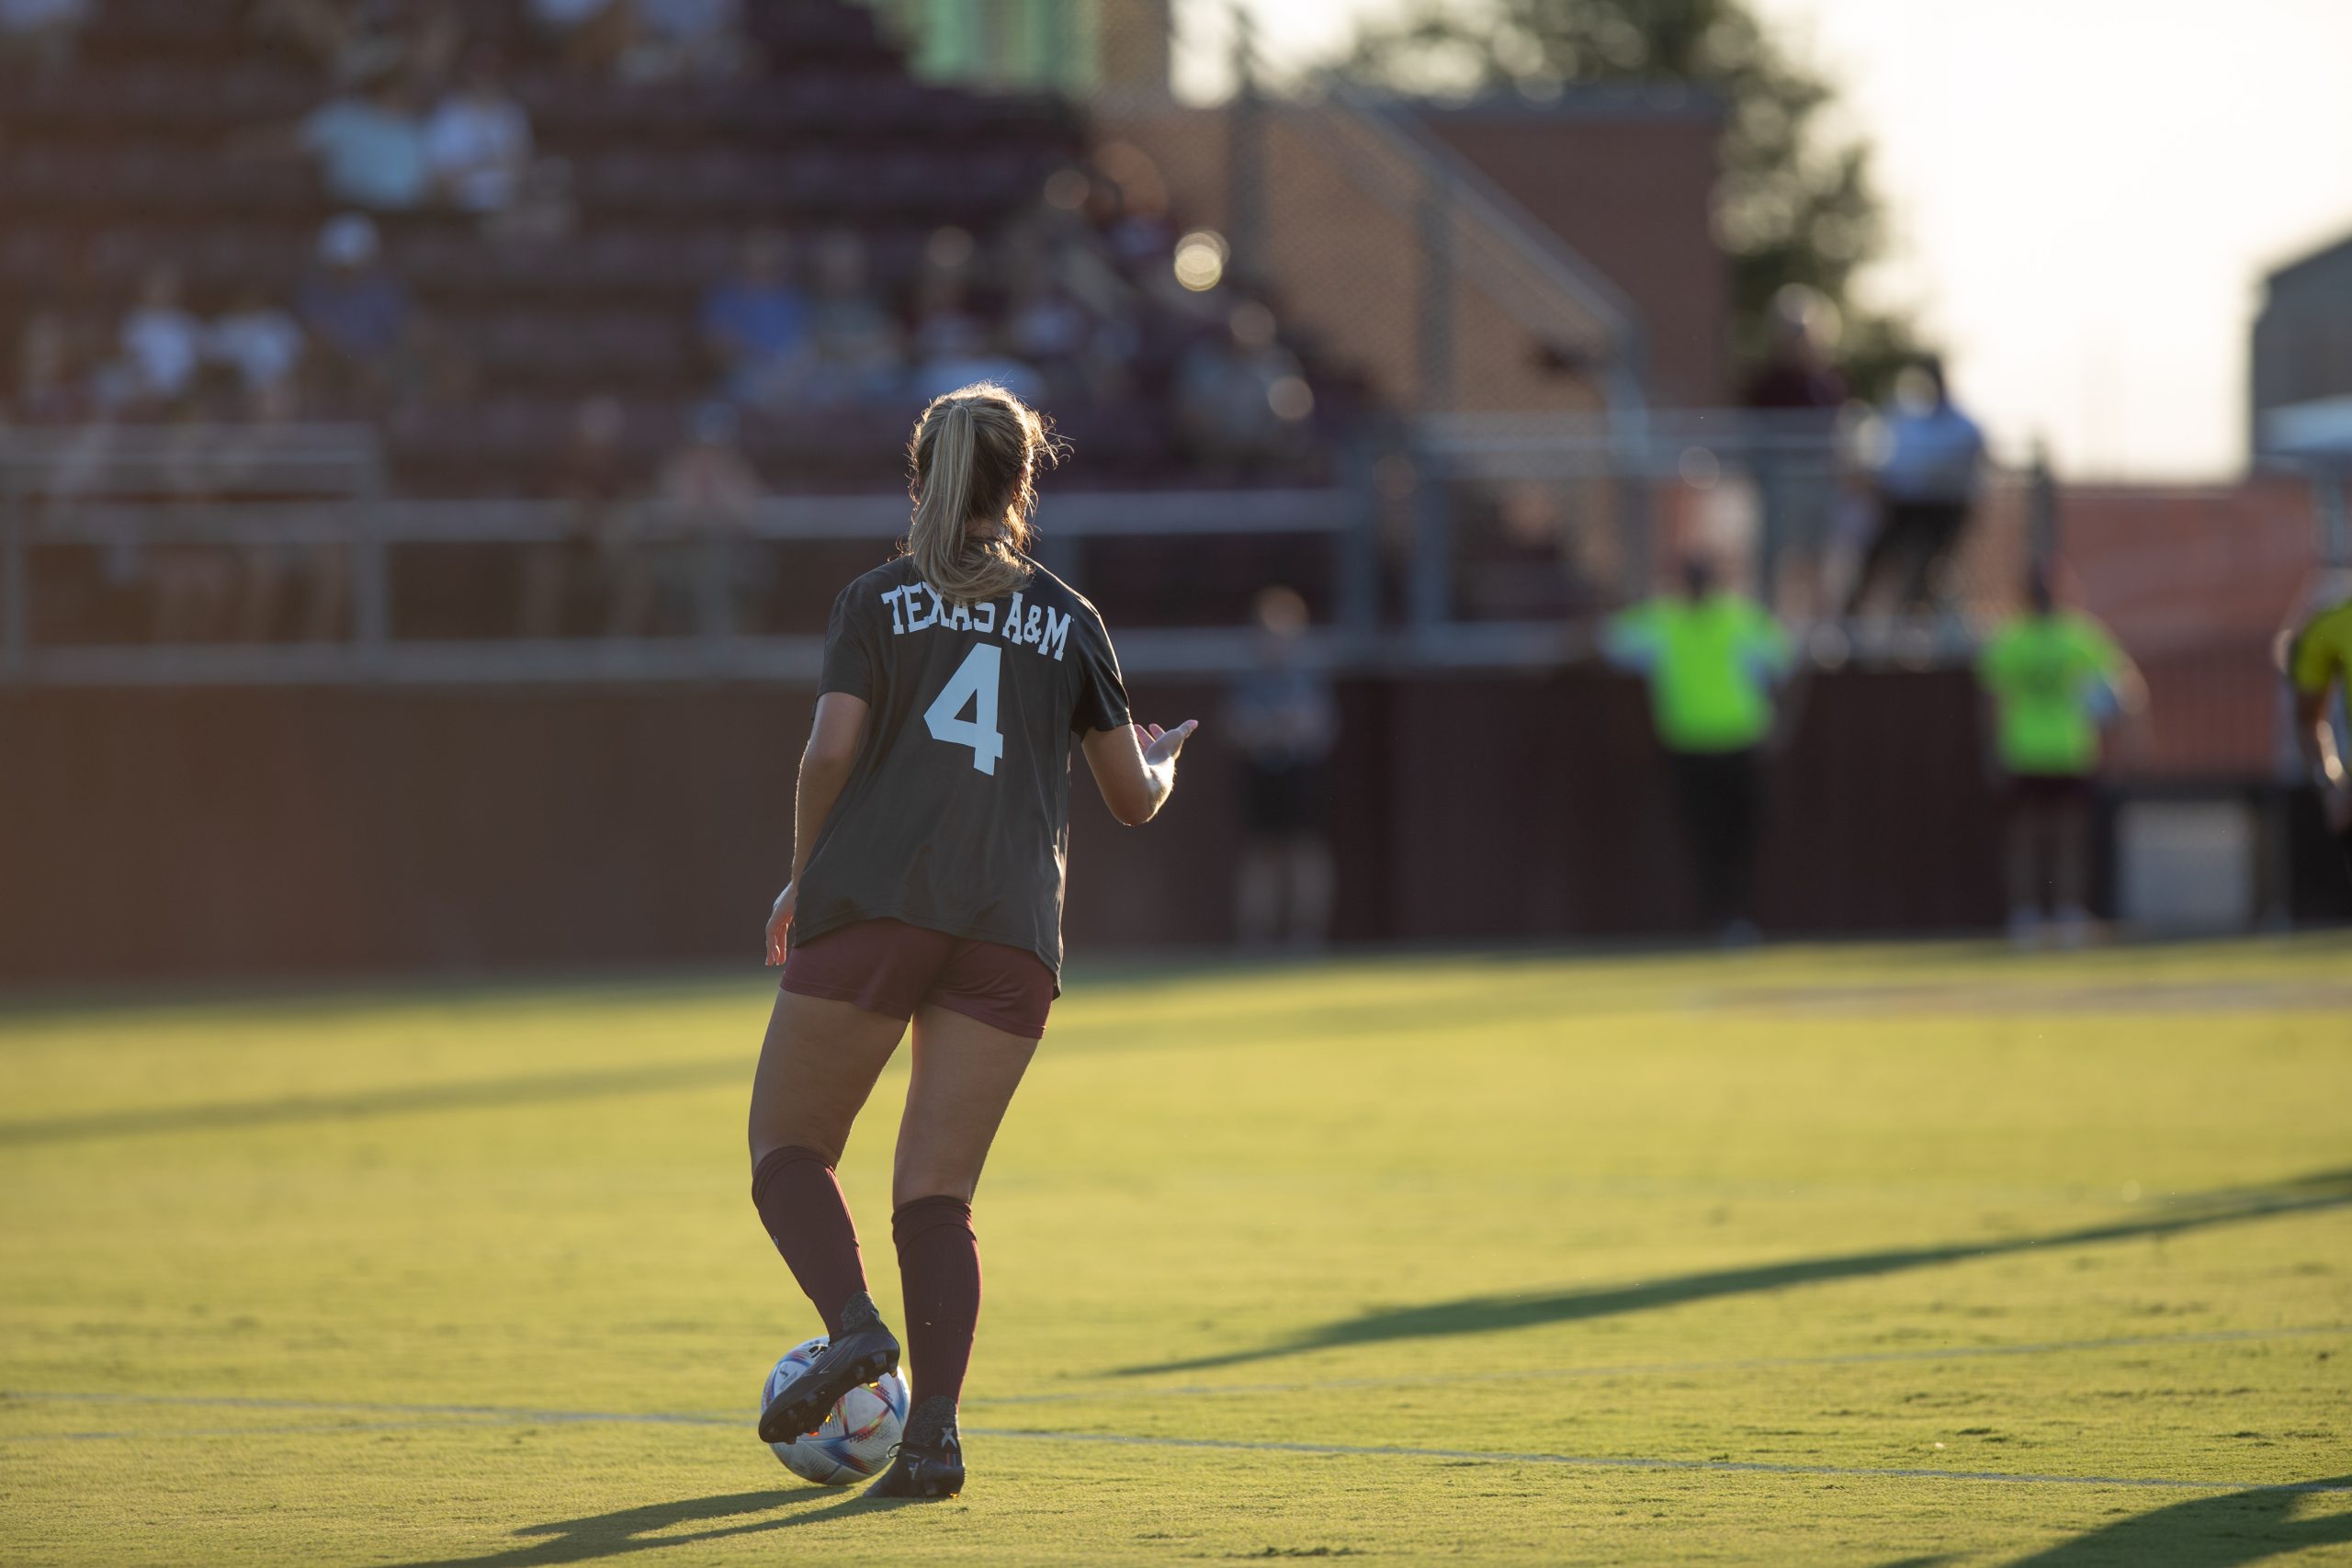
1163	745
780	921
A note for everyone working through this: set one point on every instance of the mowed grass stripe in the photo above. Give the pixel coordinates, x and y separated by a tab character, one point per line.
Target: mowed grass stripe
1122	1390
476	1415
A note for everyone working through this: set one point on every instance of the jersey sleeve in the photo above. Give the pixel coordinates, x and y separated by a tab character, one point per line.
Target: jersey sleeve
852	660
1768	643
1101	700
1634	639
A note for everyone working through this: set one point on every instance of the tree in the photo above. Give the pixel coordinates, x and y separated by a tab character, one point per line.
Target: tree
1793	206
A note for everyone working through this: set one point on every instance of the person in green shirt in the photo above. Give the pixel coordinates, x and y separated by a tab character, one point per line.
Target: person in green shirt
2054	678
1712	658
2319	662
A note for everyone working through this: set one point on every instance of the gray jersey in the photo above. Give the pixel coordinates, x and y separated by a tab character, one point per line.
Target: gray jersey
957	814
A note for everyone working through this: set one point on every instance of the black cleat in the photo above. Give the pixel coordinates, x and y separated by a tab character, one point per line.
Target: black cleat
930	1456
860	1353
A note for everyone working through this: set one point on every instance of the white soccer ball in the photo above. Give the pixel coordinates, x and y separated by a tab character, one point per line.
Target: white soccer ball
859	1432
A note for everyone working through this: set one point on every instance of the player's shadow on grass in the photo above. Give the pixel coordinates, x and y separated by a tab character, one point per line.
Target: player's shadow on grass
534	1089
648	1528
1488	1314
2205	1532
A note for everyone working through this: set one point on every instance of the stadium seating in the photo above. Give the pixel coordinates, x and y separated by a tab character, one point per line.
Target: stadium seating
153	149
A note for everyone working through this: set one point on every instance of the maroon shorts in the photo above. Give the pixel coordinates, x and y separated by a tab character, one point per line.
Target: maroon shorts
890	967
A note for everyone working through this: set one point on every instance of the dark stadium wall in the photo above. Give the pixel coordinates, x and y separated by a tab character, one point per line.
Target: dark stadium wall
253	833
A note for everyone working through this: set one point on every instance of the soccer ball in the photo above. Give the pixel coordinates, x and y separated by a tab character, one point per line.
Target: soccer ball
859	1433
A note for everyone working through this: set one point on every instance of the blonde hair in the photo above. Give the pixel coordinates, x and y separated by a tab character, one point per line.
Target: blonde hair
975	458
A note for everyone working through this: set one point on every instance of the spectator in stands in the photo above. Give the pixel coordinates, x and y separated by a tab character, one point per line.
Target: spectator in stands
1050	330
163	347
1128	198
41	32
370	147
685	37
477	142
708	488
1928	478
1284	721
755	323
857	354
261	344
945	316
959	353
955	346
708	475
592	478
1240	396
1712	658
356	311
2054	677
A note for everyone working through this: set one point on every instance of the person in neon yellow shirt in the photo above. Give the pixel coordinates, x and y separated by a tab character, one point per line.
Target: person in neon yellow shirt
2054	677
2319	660
1712	658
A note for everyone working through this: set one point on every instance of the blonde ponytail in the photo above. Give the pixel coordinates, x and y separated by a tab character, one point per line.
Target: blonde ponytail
974	455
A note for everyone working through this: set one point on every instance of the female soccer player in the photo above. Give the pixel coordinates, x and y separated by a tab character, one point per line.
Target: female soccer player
928	856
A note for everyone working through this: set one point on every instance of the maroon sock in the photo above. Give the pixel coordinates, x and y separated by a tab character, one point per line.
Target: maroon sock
939	1265
801	1205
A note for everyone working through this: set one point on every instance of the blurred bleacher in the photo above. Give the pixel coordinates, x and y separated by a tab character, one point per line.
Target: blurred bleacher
136	156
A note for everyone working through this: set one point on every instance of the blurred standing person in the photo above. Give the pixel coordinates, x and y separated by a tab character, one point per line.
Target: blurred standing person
2055	676
1795	394
1928	478
859	353
709	489
755	323
2319	664
1285	722
1712	658
592	479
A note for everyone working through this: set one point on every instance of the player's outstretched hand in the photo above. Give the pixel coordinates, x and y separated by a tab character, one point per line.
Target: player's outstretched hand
1162	745
780	920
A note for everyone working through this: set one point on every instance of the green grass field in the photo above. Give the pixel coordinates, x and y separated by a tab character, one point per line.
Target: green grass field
1868	1255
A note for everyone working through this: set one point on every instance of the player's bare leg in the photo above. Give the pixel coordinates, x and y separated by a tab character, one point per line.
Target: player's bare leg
965	1074
817	1067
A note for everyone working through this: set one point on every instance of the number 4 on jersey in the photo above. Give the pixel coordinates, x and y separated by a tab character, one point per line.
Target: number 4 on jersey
974	683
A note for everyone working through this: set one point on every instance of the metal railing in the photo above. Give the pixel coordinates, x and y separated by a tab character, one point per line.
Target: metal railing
318	513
